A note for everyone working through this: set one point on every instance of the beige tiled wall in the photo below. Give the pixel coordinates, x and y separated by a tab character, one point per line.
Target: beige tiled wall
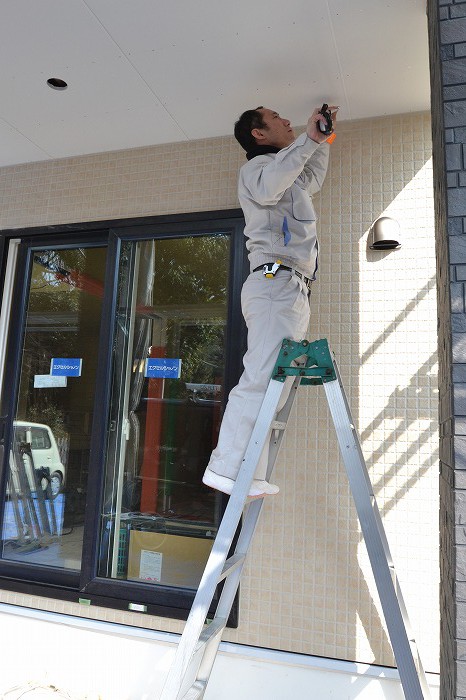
310	588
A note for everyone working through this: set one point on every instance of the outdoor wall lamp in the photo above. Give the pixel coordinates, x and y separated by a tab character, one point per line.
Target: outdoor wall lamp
384	234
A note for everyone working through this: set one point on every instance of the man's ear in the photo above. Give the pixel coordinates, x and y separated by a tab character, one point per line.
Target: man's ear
258	134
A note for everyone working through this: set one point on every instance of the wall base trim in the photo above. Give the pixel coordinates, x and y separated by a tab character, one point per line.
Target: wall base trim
144	656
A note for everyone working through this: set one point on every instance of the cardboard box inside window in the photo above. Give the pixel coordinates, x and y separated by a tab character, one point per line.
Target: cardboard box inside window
171	560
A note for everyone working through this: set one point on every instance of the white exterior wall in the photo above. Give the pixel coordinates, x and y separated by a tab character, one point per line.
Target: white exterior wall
308	587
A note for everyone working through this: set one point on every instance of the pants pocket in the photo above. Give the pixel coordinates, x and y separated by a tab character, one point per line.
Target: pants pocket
298	294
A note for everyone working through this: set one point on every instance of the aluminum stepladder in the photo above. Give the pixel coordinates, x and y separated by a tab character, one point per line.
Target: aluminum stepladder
308	363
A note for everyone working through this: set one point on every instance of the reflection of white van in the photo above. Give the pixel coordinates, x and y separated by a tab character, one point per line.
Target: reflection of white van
45	455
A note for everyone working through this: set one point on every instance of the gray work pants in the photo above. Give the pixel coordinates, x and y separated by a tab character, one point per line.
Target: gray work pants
273	309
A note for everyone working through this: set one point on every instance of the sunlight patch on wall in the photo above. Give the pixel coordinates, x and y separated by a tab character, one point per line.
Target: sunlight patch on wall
398	395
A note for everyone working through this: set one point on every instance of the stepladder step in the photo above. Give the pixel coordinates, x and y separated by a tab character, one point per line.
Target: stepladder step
212	630
231	564
196	691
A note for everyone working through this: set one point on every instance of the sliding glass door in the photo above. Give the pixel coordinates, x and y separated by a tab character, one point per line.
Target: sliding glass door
48	465
158	520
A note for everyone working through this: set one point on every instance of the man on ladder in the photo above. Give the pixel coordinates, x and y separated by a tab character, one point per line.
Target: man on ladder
275	190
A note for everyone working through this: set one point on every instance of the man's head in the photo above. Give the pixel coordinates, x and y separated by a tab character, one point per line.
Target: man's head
263	127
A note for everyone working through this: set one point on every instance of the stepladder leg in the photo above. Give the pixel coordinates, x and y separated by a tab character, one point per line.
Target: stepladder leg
412	675
197	647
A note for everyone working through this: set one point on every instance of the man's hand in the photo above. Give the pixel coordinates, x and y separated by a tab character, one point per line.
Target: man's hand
312	129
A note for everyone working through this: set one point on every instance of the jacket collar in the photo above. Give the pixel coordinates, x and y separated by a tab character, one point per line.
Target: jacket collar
261	150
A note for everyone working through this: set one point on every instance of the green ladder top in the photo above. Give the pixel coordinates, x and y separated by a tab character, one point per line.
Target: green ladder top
317	368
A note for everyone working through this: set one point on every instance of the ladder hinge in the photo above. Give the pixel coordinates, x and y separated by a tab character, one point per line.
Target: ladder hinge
315	362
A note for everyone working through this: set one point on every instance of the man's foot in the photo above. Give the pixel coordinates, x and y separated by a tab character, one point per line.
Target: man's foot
258	489
262	488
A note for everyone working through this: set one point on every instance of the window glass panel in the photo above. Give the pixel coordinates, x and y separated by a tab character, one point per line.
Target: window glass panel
167	390
49	454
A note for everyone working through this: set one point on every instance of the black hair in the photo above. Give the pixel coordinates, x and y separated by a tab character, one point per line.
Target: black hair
249	120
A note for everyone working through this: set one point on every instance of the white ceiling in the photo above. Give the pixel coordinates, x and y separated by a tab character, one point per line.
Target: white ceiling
146	72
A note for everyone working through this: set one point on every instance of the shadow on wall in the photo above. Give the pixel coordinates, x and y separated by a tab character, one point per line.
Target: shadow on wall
362	185
360	598
368	615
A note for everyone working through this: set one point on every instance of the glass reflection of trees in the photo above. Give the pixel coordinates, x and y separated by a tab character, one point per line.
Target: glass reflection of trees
58	278
63	314
190	289
192	270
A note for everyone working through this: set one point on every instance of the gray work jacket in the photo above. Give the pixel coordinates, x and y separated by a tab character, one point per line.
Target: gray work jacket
275	192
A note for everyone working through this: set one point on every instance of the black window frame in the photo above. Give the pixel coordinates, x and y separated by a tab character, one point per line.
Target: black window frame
86	586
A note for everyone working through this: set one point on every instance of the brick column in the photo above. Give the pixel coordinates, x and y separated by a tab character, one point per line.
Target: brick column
447	39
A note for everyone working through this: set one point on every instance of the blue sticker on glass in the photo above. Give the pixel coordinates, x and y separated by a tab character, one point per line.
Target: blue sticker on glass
286	232
157	367
66	366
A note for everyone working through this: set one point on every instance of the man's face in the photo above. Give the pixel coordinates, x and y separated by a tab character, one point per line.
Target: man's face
277	131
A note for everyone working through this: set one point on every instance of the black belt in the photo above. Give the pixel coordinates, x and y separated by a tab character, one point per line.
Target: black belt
307	281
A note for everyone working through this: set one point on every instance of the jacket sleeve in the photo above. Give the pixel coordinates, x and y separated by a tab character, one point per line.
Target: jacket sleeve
315	169
267	179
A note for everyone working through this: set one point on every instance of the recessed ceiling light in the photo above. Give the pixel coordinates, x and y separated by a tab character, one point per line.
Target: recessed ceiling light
57	84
